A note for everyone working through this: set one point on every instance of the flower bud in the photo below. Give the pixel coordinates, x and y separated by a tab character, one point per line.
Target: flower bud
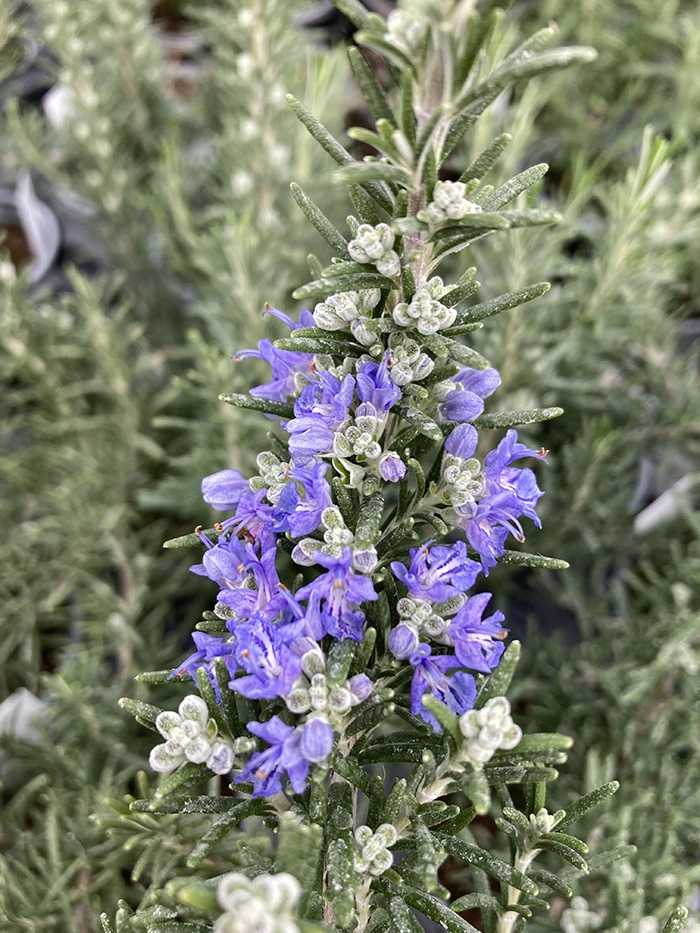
365	560
392	467
361	687
313	662
317	740
403	641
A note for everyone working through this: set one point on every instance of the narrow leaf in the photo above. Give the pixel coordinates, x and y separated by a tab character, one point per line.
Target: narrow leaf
345	283
584	804
369	520
372	91
515	185
359	173
420	421
223	826
487	159
493	866
333	237
676	920
499	681
523	559
329	346
565	852
502	303
192	539
510	419
269	406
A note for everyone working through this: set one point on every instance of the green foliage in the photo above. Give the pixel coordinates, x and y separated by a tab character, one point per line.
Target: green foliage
103	450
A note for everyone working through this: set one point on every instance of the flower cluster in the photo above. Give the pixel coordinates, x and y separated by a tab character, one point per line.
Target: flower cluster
449	203
375	245
488	729
265	904
425	311
372	848
191	735
327	495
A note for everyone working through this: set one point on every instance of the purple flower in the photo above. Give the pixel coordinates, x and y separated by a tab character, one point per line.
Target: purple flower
462	441
461	405
392	467
316	739
360	686
309	622
512	493
403	641
483	382
267	597
437	676
343	591
521	483
271	664
375	385
478	642
302	516
267	769
430	569
285	364
209	648
252	514
306	318
488	523
224	489
321	408
223	562
310	436
327	397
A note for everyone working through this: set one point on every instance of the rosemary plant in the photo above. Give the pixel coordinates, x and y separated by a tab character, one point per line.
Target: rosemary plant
347	678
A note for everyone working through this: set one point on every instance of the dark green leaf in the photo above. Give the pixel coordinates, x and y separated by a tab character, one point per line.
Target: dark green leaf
329	233
584	804
269	406
511	419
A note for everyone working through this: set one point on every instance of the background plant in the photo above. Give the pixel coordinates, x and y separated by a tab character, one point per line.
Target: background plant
435	219
588	128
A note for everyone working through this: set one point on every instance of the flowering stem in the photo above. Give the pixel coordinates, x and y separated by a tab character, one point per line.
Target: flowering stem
523	860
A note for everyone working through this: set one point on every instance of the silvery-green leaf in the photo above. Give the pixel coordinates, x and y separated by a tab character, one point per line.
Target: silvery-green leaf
40	227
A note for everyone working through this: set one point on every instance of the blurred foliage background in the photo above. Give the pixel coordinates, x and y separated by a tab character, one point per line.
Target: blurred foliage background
145	158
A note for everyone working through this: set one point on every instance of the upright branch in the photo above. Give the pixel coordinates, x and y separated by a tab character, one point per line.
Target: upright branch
344	636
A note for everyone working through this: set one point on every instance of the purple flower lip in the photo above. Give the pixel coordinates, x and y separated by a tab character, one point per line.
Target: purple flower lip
462	405
437	573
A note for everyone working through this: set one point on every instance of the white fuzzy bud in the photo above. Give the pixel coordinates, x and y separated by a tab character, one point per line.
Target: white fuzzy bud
425	311
298	700
337	312
372	853
374	245
542	821
449	203
488	729
190	736
339	700
313	662
265	904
